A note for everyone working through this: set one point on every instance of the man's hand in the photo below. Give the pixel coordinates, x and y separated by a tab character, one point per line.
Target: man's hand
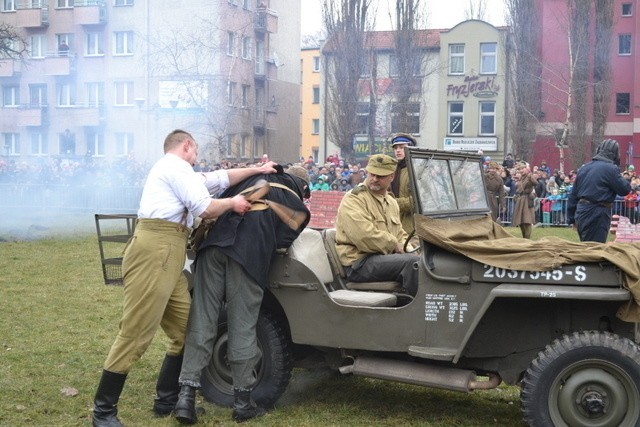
240	205
399	249
268	168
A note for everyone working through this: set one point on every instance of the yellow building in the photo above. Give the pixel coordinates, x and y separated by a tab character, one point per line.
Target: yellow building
310	102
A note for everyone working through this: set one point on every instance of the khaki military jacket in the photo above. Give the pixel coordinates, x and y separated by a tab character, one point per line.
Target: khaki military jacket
367	224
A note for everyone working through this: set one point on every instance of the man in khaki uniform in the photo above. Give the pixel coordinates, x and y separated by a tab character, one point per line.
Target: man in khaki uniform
369	234
400	182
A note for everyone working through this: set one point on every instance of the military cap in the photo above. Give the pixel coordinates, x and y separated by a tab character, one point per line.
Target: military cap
300	172
402	138
382	165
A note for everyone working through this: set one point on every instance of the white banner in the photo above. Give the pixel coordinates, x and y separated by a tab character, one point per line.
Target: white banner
470	144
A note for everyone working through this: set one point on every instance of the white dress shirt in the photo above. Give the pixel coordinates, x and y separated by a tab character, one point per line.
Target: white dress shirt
173	188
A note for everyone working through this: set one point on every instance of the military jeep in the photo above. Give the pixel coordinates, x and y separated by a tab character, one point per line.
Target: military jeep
470	326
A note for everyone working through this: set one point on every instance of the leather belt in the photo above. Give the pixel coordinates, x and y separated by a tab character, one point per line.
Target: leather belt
589	202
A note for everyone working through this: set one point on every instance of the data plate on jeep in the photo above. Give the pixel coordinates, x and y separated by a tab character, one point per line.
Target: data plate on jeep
592	274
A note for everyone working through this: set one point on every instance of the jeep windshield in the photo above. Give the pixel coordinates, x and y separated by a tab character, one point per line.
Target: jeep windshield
447	184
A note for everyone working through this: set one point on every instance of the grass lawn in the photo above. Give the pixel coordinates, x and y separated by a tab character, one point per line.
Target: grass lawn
58	321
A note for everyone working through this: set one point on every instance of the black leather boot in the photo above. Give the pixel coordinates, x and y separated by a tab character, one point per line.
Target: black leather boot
185	410
244	408
105	404
167	387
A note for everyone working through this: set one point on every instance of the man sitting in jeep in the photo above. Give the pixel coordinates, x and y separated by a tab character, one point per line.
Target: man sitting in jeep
369	234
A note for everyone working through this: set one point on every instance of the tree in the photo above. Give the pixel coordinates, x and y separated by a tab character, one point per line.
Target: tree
475	10
12	45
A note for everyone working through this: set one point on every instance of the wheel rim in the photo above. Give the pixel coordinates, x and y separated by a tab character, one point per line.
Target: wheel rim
594	393
218	371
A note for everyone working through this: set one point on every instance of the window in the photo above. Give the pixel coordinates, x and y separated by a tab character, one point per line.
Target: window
95	143
124	143
487	118
38	46
94	44
362	118
123	3
393	66
244	146
245	4
231	89
229	145
455	119
230	43
37	95
95	94
488	58
66	95
11	143
623	102
124	93
624	44
316	64
123	43
39	144
316	95
10	96
627	9
405	117
245	95
315	126
8	6
64	42
64	3
365	69
246	48
456	59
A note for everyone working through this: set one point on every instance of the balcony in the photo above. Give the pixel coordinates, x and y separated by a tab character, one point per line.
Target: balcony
80	115
266	21
26	115
89	12
31	14
59	63
264	118
10	67
266	69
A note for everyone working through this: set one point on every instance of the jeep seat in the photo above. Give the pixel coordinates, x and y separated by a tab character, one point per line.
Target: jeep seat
363	299
330	245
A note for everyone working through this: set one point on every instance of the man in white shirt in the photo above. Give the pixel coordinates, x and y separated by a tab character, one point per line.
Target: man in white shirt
155	288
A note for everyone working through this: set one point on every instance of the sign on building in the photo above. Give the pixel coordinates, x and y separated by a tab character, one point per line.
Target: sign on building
470	144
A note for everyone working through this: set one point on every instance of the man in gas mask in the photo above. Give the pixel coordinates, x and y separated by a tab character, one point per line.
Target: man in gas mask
596	186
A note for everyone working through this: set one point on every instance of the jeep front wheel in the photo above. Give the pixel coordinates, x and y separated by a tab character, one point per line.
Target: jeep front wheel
584	379
272	371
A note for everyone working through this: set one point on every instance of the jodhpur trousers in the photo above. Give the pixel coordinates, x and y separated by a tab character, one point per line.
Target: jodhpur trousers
219	278
155	292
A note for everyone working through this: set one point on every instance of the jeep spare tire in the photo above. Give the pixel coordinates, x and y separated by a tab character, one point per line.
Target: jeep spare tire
584	379
272	371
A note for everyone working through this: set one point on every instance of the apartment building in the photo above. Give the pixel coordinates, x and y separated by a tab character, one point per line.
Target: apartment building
310	65
109	79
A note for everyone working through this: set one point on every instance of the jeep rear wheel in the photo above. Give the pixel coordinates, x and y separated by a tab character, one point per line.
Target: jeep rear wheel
585	379
272	371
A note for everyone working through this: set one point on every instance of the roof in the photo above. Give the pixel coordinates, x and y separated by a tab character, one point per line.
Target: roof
385	40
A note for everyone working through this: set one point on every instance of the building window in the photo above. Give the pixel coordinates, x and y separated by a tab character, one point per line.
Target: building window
456	59
231	92
315	126
627	9
39	144
10	96
624	44
362	118
393	66
123	3
365	69
405	117
8	6
66	95
316	95
124	144
37	95
124	93
94	45
95	94
245	95
64	3
245	146
64	42
230	43
455	118
488	58
487	118
123	43
11	144
95	143
229	145
623	103
246	4
246	48
38	46
316	64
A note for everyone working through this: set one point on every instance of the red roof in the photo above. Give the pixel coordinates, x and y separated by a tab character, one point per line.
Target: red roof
385	40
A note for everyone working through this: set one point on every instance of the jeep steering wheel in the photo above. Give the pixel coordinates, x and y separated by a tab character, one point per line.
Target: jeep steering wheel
406	244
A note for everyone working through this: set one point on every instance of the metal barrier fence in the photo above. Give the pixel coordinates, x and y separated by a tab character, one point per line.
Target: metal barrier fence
553	213
80	198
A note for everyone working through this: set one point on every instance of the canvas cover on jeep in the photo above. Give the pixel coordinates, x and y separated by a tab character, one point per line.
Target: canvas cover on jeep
453	217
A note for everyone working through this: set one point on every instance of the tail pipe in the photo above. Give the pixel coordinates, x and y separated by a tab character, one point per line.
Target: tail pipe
420	374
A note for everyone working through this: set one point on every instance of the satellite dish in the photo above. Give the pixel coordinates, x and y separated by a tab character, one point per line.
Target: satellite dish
276	60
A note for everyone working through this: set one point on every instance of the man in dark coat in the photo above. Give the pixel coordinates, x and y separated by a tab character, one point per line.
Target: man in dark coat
595	188
232	267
